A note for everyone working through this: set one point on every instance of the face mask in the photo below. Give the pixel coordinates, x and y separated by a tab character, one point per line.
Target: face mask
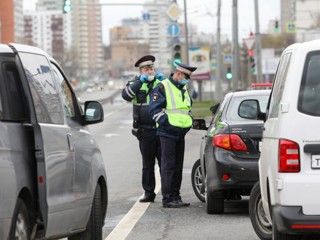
150	78
183	81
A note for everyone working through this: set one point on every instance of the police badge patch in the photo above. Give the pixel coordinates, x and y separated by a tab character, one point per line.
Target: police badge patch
155	97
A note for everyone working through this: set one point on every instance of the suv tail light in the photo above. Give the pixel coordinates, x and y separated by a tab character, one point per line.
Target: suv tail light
229	142
289	159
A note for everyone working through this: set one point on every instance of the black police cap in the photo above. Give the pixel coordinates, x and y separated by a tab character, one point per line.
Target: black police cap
145	61
188	70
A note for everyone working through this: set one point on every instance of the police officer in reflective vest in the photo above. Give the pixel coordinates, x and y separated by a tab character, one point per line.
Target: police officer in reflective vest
138	91
170	107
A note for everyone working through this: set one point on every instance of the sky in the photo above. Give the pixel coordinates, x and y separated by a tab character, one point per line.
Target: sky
201	13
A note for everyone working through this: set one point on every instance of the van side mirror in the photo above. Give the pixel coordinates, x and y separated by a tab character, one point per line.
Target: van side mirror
250	109
93	113
199	124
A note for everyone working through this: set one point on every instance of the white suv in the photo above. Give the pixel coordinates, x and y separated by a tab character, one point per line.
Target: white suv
289	166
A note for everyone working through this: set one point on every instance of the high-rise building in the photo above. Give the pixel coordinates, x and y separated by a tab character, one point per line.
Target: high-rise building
49	5
307	20
11	21
46	29
304	14
127	46
288	13
155	30
87	37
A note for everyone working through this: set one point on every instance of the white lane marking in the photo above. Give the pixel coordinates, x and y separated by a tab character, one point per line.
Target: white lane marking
124	227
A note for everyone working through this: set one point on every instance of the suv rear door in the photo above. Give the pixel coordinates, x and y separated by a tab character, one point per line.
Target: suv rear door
54	152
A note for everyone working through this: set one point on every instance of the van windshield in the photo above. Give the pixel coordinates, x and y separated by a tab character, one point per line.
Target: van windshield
309	95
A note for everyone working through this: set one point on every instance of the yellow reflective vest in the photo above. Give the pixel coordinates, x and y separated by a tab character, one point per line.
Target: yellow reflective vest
178	108
144	93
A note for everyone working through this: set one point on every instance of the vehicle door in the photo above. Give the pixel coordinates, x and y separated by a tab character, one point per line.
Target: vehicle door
54	151
270	140
83	147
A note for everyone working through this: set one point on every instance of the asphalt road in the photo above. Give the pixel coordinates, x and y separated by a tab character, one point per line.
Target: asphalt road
123	164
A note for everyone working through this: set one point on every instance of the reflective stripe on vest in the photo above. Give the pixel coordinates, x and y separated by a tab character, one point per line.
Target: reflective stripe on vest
178	111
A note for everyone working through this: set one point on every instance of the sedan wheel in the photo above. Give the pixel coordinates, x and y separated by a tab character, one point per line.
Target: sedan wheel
196	180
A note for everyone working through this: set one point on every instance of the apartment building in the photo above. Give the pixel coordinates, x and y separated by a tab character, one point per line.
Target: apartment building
11	21
46	29
87	37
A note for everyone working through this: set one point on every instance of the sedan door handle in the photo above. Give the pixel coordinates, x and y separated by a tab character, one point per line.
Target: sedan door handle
69	137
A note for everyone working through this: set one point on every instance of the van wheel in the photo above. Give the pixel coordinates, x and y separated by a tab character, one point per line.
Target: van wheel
258	218
196	180
94	227
20	228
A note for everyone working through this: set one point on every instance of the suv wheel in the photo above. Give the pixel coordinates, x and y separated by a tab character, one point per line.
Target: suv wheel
94	227
258	218
20	228
196	180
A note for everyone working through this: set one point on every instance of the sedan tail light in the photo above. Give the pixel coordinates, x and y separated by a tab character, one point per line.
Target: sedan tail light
229	141
289	158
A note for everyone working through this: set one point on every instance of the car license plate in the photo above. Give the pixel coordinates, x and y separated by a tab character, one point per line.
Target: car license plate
315	161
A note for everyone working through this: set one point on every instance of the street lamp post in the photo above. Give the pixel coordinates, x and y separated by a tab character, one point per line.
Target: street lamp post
186	31
258	43
218	90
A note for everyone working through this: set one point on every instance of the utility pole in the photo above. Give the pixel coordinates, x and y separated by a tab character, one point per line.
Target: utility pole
186	30
235	59
258	42
218	90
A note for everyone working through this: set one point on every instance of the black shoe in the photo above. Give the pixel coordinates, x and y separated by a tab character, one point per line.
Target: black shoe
183	204
173	204
149	198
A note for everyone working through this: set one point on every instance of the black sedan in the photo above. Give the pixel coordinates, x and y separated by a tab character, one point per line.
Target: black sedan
229	151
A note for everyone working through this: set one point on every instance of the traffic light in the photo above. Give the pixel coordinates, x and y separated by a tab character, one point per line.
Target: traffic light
229	73
252	64
276	26
66	6
176	54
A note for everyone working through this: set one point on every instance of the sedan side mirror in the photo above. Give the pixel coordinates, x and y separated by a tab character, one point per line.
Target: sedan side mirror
250	109
93	113
199	124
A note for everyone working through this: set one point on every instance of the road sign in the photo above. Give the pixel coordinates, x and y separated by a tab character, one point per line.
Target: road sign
249	42
146	16
173	29
227	58
174	11
291	27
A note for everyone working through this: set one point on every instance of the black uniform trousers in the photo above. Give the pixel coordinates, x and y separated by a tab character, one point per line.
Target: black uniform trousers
150	149
172	153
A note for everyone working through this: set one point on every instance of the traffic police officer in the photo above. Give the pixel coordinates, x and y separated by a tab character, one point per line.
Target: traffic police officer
170	107
138	91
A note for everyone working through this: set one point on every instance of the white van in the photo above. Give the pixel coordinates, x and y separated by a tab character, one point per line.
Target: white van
289	166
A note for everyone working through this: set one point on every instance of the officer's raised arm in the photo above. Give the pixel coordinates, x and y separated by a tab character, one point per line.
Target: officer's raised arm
132	87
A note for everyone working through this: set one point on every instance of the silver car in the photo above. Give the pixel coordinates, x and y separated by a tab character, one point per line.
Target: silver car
53	180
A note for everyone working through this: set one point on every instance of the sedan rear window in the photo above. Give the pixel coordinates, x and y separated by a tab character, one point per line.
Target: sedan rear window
232	112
